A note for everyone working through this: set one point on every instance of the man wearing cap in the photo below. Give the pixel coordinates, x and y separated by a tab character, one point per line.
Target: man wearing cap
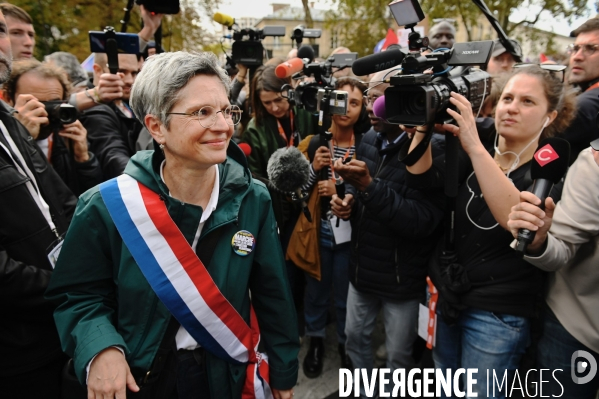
584	73
502	60
441	35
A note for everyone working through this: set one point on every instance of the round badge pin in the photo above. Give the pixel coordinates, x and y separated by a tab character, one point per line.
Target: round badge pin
243	243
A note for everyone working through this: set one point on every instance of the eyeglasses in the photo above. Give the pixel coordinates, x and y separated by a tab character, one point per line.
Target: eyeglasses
207	115
587	49
551	68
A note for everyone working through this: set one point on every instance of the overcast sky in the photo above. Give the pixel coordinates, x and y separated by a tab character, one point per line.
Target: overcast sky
260	8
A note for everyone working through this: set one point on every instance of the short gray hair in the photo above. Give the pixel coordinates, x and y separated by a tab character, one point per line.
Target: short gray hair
70	64
157	87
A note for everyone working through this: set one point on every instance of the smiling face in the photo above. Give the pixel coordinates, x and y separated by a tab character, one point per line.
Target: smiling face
185	140
354	107
522	109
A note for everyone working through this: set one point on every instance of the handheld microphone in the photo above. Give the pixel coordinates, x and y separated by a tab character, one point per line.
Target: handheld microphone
549	165
245	147
377	62
288	171
378	108
306	52
224	19
288	68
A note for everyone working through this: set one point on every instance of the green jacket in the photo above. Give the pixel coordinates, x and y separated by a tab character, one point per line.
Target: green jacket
264	140
104	300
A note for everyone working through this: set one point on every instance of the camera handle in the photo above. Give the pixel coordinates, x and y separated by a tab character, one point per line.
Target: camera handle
112	50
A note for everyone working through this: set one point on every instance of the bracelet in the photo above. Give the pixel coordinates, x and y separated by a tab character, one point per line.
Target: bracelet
90	97
97	96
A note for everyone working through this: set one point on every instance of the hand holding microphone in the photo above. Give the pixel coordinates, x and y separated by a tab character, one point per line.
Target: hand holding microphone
549	165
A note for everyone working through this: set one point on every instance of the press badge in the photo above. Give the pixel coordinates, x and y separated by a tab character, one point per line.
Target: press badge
54	251
243	243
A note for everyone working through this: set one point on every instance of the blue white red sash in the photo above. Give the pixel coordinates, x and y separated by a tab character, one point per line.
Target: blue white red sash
181	280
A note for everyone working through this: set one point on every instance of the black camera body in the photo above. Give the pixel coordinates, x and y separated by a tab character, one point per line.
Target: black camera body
60	113
247	47
416	98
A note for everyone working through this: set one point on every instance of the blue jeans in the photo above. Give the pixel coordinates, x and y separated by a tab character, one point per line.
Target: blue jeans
486	341
401	330
555	350
334	264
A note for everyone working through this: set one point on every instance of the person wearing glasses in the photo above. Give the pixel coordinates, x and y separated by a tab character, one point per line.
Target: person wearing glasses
566	244
488	294
154	279
584	74
391	241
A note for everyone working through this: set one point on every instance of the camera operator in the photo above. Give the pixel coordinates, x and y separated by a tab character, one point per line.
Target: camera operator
32	82
35	207
442	35
488	293
566	244
391	230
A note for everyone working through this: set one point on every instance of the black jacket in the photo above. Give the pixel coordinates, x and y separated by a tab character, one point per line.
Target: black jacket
112	137
583	128
78	176
28	337
392	226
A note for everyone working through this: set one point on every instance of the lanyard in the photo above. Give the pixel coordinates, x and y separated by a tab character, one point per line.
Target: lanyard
347	154
22	167
289	142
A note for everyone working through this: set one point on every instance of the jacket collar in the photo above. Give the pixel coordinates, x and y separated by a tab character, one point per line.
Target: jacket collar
235	181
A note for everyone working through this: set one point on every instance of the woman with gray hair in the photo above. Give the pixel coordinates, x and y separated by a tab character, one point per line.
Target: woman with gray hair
154	279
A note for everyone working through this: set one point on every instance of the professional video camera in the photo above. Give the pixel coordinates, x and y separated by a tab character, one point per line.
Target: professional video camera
416	98
319	94
300	32
247	45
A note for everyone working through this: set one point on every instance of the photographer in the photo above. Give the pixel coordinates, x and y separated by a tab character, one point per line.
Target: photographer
488	294
392	226
327	259
31	83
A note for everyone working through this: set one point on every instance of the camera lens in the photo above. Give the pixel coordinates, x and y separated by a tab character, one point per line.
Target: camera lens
417	104
310	99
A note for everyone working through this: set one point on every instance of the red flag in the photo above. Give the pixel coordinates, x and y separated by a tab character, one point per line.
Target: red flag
390	39
543	58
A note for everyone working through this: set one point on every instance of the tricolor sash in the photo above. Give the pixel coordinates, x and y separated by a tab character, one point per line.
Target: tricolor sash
181	281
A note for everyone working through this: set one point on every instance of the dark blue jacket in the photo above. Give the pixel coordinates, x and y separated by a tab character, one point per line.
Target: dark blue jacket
394	228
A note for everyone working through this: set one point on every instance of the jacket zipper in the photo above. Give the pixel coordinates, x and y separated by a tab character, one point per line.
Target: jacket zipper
380	166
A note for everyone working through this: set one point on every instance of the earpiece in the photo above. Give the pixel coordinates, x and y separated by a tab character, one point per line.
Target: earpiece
546	123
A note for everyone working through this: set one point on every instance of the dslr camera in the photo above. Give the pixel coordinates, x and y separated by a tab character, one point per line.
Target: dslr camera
59	114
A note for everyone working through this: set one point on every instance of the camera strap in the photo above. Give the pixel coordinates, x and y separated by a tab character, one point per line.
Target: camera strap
410	158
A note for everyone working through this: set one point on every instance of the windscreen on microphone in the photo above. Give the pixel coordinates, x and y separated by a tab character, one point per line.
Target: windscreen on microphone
306	51
377	62
551	160
224	19
378	108
245	147
288	170
288	68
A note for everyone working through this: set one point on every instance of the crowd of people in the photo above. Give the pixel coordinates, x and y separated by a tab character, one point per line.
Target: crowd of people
145	254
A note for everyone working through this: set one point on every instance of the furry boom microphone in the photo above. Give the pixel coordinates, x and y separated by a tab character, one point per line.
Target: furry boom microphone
288	170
